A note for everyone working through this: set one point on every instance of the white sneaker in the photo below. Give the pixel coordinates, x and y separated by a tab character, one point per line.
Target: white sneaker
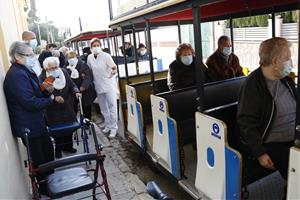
113	134
105	130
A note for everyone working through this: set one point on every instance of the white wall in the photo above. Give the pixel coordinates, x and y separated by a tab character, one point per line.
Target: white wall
13	181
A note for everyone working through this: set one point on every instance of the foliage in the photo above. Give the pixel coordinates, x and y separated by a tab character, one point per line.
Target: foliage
262	20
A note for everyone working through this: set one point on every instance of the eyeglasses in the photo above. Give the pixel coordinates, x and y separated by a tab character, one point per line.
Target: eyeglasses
27	55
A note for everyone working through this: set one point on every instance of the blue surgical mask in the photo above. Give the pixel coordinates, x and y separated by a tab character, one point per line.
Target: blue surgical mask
187	60
33	43
30	62
226	51
287	68
55	73
72	61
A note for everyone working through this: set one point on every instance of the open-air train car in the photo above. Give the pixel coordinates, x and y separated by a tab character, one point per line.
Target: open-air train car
190	133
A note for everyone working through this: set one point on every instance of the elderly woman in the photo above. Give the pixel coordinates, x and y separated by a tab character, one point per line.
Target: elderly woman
182	70
26	103
104	69
267	107
61	111
82	76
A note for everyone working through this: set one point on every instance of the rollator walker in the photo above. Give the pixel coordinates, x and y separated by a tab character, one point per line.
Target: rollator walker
70	179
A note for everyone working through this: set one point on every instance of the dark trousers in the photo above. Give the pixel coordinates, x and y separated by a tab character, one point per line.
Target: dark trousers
64	142
41	150
87	109
279	153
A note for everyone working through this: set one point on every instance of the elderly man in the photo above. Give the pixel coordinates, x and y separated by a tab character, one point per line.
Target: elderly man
26	103
30	38
223	64
267	107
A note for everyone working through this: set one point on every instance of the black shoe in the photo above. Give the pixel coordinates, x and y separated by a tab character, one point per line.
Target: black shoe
70	150
58	154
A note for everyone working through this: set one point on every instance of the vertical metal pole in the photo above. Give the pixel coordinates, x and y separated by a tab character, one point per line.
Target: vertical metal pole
198	58
231	33
139	39
110	10
108	44
149	46
273	24
135	51
125	58
297	132
179	32
77	48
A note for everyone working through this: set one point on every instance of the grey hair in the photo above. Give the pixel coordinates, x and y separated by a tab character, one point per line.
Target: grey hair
50	60
17	47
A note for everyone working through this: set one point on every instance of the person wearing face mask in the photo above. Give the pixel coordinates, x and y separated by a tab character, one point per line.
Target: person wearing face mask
223	63
82	76
182	72
104	70
51	50
30	38
142	52
26	104
61	111
267	107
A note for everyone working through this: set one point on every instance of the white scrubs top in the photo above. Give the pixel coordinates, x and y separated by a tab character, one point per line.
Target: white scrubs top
102	69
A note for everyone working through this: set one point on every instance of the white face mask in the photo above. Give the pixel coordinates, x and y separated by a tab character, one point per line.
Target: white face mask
226	51
30	62
287	68
143	52
72	61
60	79
187	60
33	43
96	50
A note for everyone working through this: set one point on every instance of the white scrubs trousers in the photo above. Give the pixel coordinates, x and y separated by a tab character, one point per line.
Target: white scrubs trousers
108	105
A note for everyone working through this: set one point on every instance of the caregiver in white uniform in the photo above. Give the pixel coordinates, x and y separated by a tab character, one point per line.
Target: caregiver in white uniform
104	69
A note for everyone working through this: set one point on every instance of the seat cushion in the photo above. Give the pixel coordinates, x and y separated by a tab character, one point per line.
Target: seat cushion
65	127
68	181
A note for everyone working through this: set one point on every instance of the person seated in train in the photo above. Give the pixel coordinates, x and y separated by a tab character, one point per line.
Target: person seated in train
182	72
104	70
26	104
62	110
142	52
86	52
49	52
82	76
129	52
29	38
267	107
223	63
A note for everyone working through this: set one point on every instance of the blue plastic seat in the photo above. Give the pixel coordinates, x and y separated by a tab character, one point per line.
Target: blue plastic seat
65	127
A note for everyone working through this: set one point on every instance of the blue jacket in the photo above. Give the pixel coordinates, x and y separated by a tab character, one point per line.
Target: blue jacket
25	101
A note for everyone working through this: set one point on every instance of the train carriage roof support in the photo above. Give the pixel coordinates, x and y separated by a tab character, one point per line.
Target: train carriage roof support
149	46
297	131
135	50
231	33
198	58
125	58
273	24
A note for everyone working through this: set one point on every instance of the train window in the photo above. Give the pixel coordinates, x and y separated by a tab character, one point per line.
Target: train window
164	43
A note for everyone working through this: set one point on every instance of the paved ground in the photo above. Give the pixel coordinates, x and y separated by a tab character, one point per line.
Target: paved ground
123	182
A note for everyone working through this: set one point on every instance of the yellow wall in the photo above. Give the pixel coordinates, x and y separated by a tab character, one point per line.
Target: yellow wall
14	181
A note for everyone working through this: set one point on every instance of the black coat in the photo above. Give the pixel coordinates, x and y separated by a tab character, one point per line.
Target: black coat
256	110
85	80
58	113
25	101
181	76
46	54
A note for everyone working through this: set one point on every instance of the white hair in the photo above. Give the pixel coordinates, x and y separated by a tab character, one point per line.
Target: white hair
50	60
19	48
55	53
